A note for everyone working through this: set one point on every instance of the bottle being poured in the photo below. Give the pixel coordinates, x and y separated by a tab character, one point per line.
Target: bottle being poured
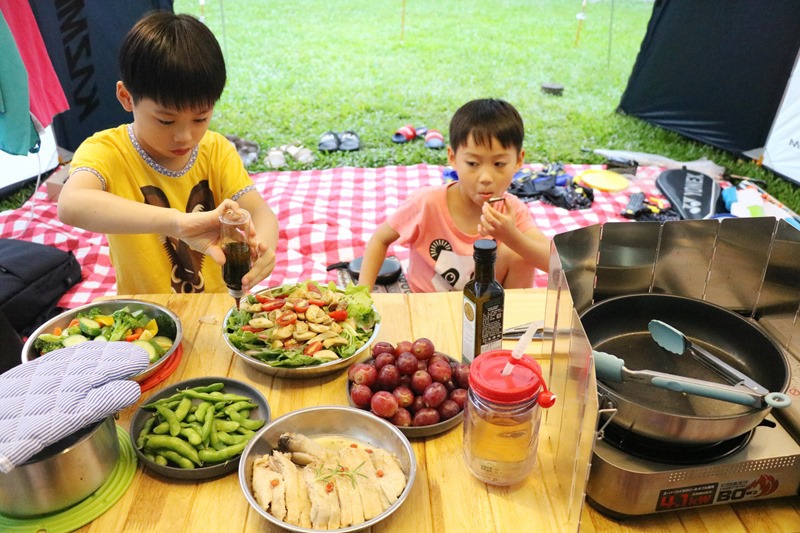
233	240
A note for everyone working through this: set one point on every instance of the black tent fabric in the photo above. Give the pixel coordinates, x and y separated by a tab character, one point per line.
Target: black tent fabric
82	39
713	70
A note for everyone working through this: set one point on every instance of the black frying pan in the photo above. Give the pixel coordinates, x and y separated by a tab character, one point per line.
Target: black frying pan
619	326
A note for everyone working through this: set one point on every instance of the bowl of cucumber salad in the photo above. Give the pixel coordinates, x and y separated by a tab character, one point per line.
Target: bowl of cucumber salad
151	326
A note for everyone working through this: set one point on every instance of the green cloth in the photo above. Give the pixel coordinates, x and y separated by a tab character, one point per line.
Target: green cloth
18	134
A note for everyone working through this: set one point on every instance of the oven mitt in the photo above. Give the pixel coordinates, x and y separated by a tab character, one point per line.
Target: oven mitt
63	391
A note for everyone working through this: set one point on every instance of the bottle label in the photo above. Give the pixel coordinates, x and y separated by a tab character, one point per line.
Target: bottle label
492	330
468	332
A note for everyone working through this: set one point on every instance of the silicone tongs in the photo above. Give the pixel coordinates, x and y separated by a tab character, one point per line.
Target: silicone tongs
674	341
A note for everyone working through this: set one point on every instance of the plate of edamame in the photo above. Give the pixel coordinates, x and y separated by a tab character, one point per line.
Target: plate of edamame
198	428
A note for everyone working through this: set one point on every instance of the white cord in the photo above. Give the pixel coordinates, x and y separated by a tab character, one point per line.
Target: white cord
33	196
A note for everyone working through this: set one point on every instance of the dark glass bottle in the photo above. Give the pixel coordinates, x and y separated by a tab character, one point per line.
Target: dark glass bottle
484	299
233	234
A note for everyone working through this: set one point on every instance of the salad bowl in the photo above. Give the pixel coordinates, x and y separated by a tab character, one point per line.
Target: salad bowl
349	310
169	326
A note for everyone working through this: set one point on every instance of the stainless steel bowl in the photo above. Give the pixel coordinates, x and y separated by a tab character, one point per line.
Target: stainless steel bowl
29	353
302	372
322	421
62	474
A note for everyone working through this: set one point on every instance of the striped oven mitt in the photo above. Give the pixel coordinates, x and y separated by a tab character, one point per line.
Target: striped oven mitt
63	391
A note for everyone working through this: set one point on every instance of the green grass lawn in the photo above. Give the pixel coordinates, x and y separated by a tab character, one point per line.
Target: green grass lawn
298	69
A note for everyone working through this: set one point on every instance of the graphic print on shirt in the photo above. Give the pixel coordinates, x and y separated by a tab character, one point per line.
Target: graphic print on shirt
452	270
187	264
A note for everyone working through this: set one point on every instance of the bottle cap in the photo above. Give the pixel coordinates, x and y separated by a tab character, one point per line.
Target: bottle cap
484	249
486	379
236	293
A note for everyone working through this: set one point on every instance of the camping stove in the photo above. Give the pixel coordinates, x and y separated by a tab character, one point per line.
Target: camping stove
631	475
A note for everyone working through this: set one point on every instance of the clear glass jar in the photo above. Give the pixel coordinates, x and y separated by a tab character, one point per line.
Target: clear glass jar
234	227
502	417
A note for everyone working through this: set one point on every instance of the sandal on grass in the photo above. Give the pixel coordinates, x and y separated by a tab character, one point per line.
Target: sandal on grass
349	141
275	158
328	142
300	153
404	134
434	140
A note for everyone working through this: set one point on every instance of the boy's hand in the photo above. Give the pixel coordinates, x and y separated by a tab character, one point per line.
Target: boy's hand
497	222
201	230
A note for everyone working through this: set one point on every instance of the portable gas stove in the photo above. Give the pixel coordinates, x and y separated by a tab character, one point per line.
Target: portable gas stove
631	475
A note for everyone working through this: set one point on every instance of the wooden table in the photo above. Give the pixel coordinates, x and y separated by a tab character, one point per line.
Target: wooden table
445	497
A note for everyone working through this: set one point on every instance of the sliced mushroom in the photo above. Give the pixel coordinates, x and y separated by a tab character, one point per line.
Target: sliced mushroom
325	355
261	322
305	336
336	327
315	314
283	333
318	328
300	326
324	335
247	307
277	344
334	341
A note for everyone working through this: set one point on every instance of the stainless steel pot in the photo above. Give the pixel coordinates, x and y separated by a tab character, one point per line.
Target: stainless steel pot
619	326
62	474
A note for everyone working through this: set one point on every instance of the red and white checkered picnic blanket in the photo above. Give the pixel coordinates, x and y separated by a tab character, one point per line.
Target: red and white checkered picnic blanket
325	216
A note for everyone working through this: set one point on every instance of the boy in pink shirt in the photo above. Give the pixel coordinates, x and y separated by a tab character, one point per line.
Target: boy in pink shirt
440	224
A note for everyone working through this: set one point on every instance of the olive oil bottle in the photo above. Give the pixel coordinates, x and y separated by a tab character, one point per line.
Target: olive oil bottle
234	225
484	300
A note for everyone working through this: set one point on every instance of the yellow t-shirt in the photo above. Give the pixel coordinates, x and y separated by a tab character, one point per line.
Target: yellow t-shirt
150	263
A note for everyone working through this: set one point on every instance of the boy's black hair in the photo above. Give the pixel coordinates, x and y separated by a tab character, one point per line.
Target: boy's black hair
173	60
487	119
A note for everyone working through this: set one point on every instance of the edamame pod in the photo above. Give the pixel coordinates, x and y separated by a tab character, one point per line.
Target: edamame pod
183	409
178	445
220	456
170	418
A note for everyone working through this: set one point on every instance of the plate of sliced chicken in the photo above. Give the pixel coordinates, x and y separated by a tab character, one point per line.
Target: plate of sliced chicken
327	468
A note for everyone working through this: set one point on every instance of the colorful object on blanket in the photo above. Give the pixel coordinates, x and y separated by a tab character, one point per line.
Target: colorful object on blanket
749	200
603	180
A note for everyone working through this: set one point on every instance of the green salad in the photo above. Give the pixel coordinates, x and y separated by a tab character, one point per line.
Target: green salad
303	324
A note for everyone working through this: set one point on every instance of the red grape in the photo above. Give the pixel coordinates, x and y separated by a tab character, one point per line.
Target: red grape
440	372
361	396
459	396
448	409
365	375
406	363
417	404
439	356
426	417
422	365
402	346
401	418
404	395
422	348
388	377
461	376
405	379
382	347
434	394
383	359
420	381
383	404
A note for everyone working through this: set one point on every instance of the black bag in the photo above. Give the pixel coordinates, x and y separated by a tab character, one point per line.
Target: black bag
33	277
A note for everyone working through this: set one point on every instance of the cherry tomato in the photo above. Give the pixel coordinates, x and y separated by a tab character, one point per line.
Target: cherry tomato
312	348
338	315
300	305
286	318
251	328
273	304
318	303
310	287
290	343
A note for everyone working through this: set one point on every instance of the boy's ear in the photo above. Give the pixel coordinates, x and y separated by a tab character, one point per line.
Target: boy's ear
520	158
451	156
124	97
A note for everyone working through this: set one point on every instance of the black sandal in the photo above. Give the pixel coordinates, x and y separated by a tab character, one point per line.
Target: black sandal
349	141
329	142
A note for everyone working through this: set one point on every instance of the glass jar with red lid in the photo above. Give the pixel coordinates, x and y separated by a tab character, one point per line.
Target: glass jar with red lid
502	416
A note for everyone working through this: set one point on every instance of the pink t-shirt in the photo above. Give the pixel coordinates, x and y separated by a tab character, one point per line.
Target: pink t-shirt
440	257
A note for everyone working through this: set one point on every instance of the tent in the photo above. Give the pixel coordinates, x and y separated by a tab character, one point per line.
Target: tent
782	151
715	71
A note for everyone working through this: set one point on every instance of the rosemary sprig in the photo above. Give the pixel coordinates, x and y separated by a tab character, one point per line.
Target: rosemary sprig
325	474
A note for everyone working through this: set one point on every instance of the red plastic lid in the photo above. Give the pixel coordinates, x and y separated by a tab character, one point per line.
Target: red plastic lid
523	384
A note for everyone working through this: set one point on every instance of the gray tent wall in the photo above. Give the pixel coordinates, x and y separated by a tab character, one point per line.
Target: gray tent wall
82	38
715	70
